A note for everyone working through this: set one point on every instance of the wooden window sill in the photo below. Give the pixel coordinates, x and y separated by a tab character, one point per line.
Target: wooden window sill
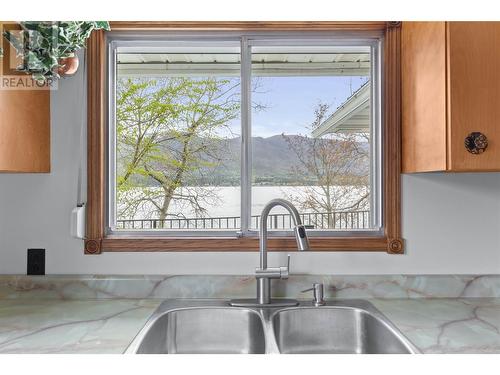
120	243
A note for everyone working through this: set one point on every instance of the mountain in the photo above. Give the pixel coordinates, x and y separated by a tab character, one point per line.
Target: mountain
273	162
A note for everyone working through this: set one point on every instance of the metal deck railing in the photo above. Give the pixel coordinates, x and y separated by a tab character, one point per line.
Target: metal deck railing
312	220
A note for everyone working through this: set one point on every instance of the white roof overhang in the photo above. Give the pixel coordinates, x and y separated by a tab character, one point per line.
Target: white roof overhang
353	116
351	63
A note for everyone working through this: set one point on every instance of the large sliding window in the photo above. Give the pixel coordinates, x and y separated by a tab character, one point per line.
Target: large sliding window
205	129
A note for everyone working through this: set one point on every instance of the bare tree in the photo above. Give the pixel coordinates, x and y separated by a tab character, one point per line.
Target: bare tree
332	171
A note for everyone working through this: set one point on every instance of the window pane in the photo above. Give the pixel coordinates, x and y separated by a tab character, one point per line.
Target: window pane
311	135
178	137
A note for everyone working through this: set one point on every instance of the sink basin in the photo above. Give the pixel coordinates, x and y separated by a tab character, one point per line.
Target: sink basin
335	329
209	330
212	327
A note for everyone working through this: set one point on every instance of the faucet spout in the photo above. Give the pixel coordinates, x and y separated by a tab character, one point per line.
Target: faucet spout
299	229
301	237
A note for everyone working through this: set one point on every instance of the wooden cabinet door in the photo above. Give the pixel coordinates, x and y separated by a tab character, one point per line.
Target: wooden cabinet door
24	117
423	64
24	131
474	90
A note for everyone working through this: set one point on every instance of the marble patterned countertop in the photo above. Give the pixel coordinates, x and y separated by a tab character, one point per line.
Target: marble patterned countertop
447	325
103	314
73	326
442	325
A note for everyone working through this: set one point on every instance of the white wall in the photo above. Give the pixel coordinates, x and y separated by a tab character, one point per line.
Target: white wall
451	223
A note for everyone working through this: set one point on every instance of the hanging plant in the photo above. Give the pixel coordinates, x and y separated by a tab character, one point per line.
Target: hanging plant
48	49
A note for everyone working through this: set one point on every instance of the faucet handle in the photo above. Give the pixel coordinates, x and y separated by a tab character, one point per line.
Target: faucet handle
285	271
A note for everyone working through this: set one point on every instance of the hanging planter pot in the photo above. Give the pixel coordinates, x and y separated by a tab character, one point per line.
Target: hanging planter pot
68	65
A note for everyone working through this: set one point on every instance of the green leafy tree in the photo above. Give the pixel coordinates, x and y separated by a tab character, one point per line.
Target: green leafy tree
167	133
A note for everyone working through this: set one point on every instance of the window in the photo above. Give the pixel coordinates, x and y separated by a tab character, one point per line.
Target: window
313	118
176	127
204	128
309	126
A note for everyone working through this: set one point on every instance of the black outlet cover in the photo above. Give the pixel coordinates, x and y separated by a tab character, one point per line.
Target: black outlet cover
36	262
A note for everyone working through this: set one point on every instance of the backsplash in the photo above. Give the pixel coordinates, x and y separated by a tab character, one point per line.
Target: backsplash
196	286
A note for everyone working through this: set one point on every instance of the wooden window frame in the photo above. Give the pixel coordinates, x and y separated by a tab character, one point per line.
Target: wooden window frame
97	241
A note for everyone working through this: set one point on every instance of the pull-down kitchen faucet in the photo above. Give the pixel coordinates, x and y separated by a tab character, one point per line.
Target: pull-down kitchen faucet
263	273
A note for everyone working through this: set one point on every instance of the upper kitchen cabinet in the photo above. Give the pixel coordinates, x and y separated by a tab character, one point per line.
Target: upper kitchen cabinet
450	96
25	131
24	119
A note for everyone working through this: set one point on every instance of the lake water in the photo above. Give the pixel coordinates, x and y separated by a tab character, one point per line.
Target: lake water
228	202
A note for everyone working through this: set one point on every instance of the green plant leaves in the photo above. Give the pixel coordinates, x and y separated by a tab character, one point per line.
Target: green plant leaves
42	44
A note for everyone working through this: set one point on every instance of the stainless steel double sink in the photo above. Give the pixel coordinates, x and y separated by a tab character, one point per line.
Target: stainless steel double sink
214	327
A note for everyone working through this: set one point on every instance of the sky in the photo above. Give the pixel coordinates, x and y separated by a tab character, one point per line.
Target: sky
290	101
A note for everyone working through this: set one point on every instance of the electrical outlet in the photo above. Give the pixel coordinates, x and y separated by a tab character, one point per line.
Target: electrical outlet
36	262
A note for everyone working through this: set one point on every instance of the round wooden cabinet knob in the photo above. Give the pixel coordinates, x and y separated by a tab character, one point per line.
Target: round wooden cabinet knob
476	143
